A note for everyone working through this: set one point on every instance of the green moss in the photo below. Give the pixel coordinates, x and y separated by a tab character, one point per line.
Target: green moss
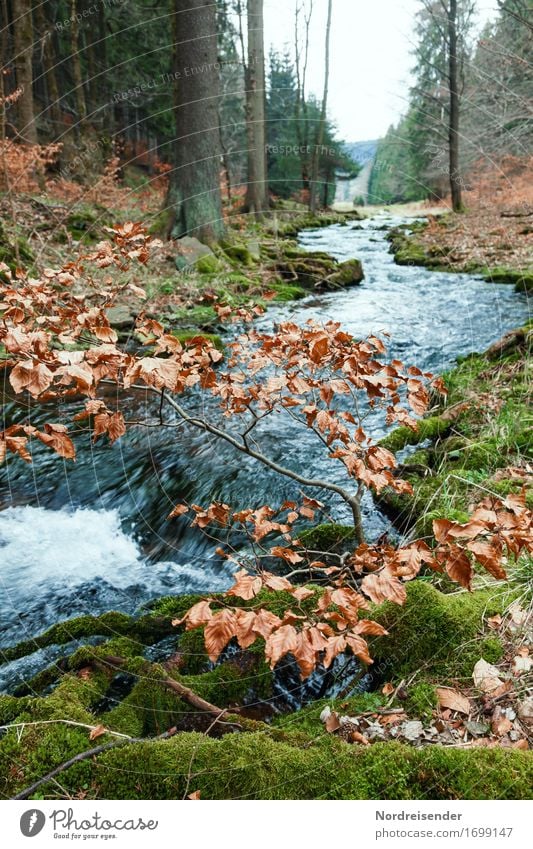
438	632
162	223
458	470
308	718
286	292
522	278
253	766
185	336
429	428
237	252
197	317
209	264
421	700
350	273
327	537
148	629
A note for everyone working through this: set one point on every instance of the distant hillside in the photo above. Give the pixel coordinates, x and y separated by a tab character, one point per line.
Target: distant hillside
362	151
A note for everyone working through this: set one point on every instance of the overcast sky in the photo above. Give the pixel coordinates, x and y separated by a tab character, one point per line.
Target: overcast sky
370	57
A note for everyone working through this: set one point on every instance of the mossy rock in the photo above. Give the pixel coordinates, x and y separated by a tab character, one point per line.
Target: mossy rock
328	537
237	252
197	318
429	428
521	278
350	273
286	292
209	264
439	632
186	336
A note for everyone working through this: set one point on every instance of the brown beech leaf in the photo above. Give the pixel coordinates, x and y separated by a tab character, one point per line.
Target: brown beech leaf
265	623
458	566
301	593
179	510
384	586
287	554
276	582
305	652
218	632
245	633
246	586
453	700
335	646
489	556
199	614
35	377
97	732
279	643
332	723
359	647
368	626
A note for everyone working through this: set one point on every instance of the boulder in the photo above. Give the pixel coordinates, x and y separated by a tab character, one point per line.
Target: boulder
349	273
190	250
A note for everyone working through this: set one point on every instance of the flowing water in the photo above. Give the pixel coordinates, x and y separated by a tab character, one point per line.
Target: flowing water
91	536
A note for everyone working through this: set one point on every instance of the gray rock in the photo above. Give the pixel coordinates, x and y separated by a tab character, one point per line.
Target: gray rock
121	317
190	250
477	729
412	730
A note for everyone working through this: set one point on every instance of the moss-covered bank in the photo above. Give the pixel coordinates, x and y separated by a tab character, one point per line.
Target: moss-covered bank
442	635
463	457
409	249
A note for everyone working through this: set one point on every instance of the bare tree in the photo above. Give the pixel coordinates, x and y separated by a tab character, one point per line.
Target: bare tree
257	187
301	65
453	80
313	200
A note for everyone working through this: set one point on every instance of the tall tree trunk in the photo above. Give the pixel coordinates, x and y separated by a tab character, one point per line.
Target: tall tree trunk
49	61
4	47
194	190
455	177
302	126
23	49
313	200
257	188
93	81
77	78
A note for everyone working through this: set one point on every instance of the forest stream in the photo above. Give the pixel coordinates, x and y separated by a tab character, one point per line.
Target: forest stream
92	536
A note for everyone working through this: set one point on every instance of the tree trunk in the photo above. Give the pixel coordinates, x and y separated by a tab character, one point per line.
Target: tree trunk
23	49
257	188
455	177
77	77
194	190
49	61
302	127
313	199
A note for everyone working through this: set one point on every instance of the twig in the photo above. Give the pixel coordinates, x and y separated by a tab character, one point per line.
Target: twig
61	722
83	756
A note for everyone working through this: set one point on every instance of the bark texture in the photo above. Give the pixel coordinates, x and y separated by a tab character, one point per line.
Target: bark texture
194	193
